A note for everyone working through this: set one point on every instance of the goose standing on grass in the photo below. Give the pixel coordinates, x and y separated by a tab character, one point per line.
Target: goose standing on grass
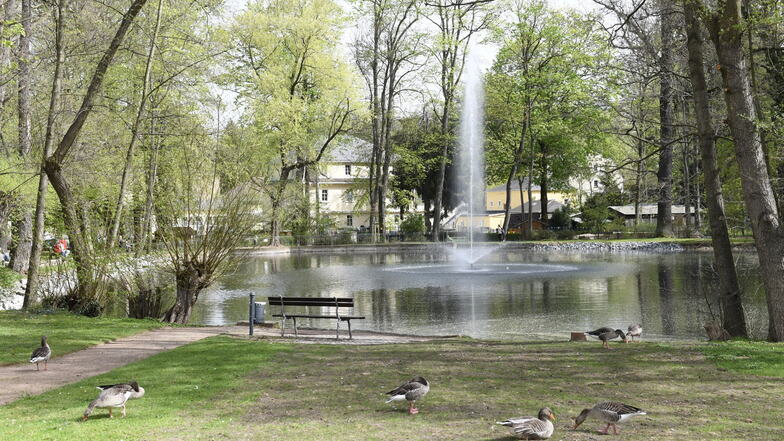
634	331
114	395
611	412
609	335
533	428
410	391
41	354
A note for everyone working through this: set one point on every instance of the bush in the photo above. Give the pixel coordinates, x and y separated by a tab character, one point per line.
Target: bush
413	224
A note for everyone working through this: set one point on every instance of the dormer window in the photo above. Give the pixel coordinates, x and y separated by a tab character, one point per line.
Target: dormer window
348	169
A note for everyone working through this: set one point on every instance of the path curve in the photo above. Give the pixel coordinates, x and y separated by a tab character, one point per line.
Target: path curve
20	380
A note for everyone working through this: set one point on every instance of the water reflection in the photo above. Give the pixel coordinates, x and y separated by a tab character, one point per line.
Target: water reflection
665	293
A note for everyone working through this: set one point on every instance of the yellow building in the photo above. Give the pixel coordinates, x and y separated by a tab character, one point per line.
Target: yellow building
495	197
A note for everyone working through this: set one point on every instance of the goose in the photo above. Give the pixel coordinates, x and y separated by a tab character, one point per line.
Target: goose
609	335
114	395
41	354
611	412
411	391
634	331
540	427
596	333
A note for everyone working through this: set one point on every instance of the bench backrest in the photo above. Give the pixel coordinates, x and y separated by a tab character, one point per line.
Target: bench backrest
341	302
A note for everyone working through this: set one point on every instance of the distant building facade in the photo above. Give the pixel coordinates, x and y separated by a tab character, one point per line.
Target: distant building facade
649	213
339	186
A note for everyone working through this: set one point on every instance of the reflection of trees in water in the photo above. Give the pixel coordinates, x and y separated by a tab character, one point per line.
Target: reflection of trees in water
667	309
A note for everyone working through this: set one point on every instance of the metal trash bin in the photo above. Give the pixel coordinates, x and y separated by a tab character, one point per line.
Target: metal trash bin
258	312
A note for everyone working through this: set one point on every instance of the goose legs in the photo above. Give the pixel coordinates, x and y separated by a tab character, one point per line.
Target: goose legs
606	430
411	409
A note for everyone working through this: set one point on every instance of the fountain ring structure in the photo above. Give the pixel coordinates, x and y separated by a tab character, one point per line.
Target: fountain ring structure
485	269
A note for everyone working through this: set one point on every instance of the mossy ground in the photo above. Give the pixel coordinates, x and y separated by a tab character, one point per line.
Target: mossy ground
237	389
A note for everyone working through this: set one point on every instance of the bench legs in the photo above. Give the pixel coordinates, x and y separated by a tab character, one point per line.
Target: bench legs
350	337
295	327
337	330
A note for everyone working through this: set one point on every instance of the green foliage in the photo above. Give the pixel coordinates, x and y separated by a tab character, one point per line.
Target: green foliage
551	71
8	277
561	218
413	224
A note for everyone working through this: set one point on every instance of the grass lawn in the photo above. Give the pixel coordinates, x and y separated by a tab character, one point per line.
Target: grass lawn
20	332
756	357
235	389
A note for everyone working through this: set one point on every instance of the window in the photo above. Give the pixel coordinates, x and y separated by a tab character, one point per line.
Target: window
324	195
349	219
397	218
491	203
348	196
596	184
348	170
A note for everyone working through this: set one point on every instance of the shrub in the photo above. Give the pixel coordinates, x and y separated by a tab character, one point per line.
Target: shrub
413	224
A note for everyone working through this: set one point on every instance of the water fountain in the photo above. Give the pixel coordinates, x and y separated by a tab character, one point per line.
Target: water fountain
470	182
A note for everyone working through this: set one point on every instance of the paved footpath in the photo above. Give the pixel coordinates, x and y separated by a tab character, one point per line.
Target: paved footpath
19	380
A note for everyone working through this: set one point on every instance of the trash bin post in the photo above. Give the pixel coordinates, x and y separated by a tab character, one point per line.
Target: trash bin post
250	314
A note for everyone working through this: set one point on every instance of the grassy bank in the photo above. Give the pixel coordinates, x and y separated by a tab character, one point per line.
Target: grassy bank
754	357
224	388
21	332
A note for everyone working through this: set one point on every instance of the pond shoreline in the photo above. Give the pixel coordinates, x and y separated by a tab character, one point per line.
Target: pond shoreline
656	246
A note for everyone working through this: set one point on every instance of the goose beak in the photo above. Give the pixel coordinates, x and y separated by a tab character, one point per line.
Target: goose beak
552	415
84	418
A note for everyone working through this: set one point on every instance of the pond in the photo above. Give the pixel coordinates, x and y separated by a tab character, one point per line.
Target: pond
514	294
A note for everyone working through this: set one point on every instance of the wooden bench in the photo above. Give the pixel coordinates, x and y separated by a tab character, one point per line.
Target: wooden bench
330	302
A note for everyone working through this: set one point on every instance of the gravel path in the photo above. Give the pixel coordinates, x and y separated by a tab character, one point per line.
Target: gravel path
21	380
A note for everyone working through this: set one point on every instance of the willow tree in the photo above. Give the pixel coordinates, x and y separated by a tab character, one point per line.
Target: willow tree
296	88
206	223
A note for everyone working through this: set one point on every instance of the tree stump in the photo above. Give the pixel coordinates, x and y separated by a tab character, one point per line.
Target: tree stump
578	336
716	332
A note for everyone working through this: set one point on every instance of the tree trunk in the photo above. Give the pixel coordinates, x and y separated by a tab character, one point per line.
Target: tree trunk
144	244
276	202
444	157
24	227
25	80
128	169
638	178
726	30
189	286
31	289
21	253
543	187
664	174
733	318
5	52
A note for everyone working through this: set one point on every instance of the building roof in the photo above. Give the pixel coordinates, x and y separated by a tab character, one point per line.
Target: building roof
515	186
349	150
647	209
